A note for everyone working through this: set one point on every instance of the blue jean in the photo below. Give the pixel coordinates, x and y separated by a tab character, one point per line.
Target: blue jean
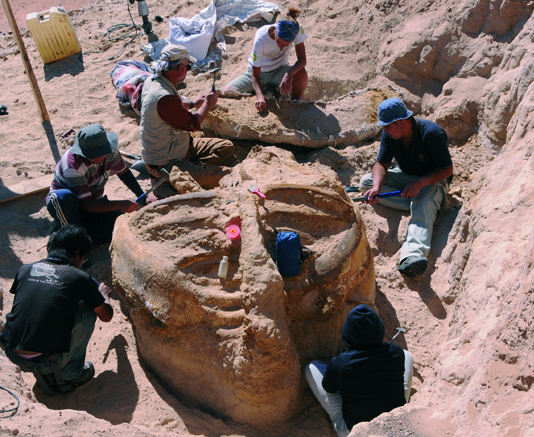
332	402
424	208
71	362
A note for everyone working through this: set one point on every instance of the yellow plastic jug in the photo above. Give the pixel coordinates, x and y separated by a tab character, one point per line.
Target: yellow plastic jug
53	34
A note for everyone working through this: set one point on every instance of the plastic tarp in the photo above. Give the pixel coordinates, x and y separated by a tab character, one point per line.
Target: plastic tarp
128	78
196	33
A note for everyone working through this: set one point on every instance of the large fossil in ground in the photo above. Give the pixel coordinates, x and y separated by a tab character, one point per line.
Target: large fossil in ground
236	346
348	119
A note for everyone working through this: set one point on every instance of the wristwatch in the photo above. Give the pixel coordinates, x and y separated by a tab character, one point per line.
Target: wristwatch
191	104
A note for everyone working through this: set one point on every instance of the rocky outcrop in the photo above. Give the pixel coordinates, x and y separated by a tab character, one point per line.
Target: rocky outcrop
235	346
473	57
485	361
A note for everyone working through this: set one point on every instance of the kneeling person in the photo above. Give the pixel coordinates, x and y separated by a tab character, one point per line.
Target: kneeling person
370	379
54	313
77	192
166	123
269	62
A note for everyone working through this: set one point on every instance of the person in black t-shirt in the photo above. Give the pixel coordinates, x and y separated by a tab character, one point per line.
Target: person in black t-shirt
423	176
55	310
369	379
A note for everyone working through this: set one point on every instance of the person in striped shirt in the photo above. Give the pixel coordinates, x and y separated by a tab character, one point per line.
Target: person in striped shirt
77	192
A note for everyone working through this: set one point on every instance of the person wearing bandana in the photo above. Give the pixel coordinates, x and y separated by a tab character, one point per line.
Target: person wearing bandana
167	121
269	62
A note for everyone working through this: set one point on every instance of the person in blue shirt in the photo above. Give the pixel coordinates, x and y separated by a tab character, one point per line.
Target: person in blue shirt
369	379
423	175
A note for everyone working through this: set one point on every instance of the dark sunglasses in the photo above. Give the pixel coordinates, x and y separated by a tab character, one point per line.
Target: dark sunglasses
187	67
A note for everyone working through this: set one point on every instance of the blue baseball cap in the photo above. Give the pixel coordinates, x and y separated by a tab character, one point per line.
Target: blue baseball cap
392	110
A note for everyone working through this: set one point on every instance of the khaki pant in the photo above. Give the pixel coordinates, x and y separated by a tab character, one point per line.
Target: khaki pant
424	208
205	161
243	83
333	402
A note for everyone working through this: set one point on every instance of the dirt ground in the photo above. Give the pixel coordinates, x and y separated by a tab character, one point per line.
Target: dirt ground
437	309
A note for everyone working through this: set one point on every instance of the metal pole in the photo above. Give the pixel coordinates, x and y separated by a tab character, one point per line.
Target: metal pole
28	67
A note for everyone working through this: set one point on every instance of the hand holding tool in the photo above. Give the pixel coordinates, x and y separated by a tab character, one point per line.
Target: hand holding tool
381	196
213	73
165	177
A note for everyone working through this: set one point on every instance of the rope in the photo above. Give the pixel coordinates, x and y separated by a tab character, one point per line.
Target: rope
135	29
10	410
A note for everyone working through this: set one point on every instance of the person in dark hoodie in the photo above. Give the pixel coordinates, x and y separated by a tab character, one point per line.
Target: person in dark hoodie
369	379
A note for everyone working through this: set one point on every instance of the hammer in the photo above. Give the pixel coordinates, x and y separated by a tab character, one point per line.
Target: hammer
214	74
165	177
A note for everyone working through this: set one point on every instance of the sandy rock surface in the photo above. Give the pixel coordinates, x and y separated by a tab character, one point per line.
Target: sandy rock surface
464	64
243	339
345	120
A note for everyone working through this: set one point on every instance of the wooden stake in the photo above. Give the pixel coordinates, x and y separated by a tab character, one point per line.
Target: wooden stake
27	65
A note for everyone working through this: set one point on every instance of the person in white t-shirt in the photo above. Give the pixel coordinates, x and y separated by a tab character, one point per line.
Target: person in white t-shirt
269	62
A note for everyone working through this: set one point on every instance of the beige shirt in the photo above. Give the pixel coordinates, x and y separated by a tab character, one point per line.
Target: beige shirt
160	142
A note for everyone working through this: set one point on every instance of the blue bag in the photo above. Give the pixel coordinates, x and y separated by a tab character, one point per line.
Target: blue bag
288	253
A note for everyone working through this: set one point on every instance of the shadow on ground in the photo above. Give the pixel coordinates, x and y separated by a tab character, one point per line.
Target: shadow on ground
112	395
